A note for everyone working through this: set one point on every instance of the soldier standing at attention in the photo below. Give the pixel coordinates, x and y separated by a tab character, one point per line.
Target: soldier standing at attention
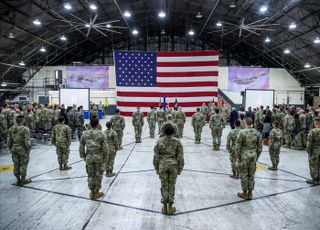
94	112
137	121
118	125
3	126
216	124
248	150
170	121
198	121
112	141
180	120
313	149
161	118
231	147
152	121
18	141
80	121
30	122
73	120
61	138
275	142
288	126
168	162
94	150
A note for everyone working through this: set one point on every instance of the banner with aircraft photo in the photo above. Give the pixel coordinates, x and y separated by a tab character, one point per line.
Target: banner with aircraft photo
93	77
242	78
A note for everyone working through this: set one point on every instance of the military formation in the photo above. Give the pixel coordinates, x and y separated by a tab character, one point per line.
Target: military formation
290	128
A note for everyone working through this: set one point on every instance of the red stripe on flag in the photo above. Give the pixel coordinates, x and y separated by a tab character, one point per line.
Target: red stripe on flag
169	94
187	64
186	84
188	74
187	54
156	104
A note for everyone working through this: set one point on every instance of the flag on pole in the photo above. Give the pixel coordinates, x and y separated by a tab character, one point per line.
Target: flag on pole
164	103
142	77
176	104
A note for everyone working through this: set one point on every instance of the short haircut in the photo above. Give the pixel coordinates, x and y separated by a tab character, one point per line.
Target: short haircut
317	119
161	107
117	110
168	129
217	110
249	121
94	122
109	124
29	110
61	119
276	123
19	119
169	117
237	123
198	109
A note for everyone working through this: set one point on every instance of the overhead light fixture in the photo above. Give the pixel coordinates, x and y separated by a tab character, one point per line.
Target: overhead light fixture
316	41
199	15
87	25
3	84
93	6
37	22
263	9
162	14
233	5
42	49
135	32
11	36
191	32
267	40
67	6
286	51
292	26
63	38
307	65
163	32
108	25
219	24
22	63
127	14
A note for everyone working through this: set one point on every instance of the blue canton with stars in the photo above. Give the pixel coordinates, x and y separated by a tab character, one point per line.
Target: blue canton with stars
136	69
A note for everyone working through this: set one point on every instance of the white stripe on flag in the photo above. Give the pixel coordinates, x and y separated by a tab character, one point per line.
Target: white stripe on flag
188	59
187	69
187	79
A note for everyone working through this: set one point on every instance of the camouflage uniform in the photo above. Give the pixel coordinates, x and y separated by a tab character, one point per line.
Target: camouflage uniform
118	125
198	121
275	142
112	140
8	113
242	124
73	120
30	123
137	121
204	110
308	121
168	161
94	149
248	150
61	138
152	121
216	125
169	121
281	116
288	126
93	113
180	120
258	125
231	147
56	116
313	149
79	123
19	144
300	139
45	119
3	127
161	118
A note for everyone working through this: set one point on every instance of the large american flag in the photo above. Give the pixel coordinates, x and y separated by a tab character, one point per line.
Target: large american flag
144	77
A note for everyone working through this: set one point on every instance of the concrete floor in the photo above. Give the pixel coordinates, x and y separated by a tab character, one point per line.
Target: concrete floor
205	194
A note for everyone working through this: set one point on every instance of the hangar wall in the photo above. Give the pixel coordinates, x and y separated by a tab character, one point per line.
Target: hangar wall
285	86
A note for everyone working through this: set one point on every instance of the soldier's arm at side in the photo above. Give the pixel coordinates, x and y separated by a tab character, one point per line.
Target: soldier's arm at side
156	157
9	140
259	146
192	120
53	138
27	141
115	140
82	147
239	145
123	124
68	135
180	157
271	137
309	142
228	142
105	147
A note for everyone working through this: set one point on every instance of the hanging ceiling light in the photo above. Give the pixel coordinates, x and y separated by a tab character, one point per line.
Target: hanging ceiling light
22	63
3	84
292	26
42	49
67	6
233	5
263	9
219	24
135	32
63	38
286	51
307	65
191	32
127	14
87	25
93	6
267	40
36	22
11	36
316	41
108	25
163	32
162	14
199	15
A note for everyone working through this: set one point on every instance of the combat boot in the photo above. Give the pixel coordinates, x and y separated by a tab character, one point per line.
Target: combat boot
170	210
107	173
273	168
237	175
164	208
250	195
66	167
313	181
18	183
60	167
233	175
92	194
25	181
243	195
98	194
111	174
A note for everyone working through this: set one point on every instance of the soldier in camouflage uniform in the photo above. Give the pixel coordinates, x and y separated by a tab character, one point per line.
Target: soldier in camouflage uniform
180	120
168	162
231	147
161	118
73	120
112	141
313	149
19	143
30	122
241	119
94	112
308	120
258	118
248	150
198	121
80	121
216	124
94	150
61	138
8	114
288	126
137	121
118	125
204	109
169	119
152	121
57	111
275	142
45	118
281	116
3	126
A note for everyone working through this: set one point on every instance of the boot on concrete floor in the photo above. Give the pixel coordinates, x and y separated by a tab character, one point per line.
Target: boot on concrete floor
164	209
243	195
170	209
18	183
60	167
273	167
66	167
250	195
233	175
92	194
98	194
25	181
312	181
